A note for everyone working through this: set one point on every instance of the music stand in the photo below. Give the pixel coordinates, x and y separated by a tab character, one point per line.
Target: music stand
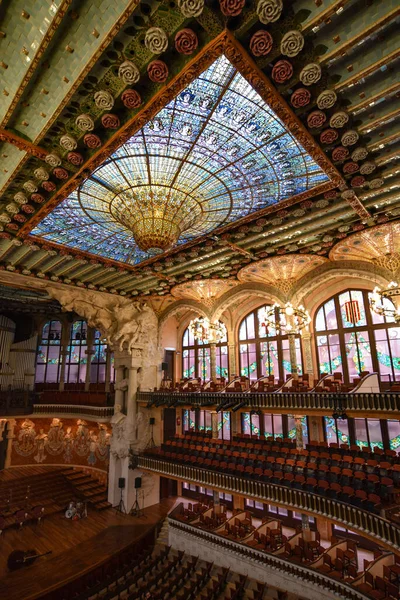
121	505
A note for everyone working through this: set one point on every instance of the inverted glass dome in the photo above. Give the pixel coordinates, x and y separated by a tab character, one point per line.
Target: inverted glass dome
215	153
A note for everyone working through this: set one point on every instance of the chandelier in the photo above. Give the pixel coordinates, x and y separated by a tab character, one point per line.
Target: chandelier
385	309
157	215
206	331
286	320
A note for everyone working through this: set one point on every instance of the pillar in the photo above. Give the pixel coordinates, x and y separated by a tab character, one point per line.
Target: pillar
214	424
292	355
119	394
108	369
299	431
10	436
232	357
236	423
65	337
89	354
132	391
217	504
213	362
307	356
305	525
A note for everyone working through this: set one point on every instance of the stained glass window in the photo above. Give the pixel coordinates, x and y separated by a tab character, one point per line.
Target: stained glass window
48	354
196	358
264	353
215	153
394	434
99	360
352	339
76	358
336	431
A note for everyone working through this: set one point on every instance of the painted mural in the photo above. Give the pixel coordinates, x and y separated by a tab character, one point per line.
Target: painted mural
55	441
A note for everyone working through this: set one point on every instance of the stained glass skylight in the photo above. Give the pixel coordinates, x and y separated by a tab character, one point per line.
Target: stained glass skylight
215	153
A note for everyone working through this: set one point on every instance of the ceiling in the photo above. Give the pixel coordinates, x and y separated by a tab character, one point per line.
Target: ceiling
85	81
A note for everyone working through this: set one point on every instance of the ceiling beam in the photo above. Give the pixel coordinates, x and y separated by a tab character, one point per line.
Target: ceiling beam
12	138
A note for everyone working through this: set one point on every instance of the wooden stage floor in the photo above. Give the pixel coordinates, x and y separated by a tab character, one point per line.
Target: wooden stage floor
76	547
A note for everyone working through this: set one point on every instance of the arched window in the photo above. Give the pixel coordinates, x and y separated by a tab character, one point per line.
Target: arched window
196	357
265	352
351	338
48	355
76	358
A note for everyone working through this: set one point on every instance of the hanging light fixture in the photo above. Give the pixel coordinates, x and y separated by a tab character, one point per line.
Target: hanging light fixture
378	305
206	331
286	320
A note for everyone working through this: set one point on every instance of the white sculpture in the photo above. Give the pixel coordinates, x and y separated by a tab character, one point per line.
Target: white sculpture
122	321
121	433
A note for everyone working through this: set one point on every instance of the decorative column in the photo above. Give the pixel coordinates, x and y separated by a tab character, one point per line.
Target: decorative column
305	525
89	354
65	337
214	425
108	369
119	392
213	361
307	354
232	357
292	355
217	504
299	431
10	437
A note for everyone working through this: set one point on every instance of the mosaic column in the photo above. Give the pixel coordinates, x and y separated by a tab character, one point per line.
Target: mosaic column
307	355
232	358
292	355
213	362
214	425
299	431
65	337
89	355
217	503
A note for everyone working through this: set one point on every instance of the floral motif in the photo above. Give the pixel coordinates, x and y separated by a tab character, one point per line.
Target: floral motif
28	209
358	227
68	142
323	203
20	198
347	195
60	173
84	122
191	8
340	153
104	100
157	71
310	74
282	71
231	8
4	218
350	137
53	159
350	167
19	218
328	136
92	140
269	11
330	195
339	119
75	158
186	41
367	168
129	72
156	40
37	198
359	153
131	99
306	204
382	219
110	121
30	186
300	97
292	43
357	181
12	208
13	227
316	119
48	186
41	174
326	99
261	43
376	183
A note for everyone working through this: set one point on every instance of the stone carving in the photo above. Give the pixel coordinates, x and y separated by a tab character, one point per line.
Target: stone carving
122	433
122	321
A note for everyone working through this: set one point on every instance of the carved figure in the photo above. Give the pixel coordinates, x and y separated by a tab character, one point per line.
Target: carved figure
26	443
41	440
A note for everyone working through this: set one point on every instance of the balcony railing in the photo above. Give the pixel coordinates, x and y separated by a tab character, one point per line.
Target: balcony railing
242	551
351	517
384	402
99	412
16	402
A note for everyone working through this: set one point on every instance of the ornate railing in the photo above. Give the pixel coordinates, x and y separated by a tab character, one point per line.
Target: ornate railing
351	517
99	412
384	402
302	572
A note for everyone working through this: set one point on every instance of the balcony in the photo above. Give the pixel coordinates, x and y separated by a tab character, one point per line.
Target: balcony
367	524
384	404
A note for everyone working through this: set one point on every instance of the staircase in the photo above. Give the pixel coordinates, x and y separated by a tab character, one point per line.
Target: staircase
88	489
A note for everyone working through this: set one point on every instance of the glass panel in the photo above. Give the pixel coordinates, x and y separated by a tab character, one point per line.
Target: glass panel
352	309
268	426
255	425
330	314
320	324
358	353
375	433
222	361
250	327
394	434
269	359
246	427
226	426
394	341
278	428
361	433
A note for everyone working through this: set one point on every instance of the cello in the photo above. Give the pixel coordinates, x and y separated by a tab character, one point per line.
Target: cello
22	558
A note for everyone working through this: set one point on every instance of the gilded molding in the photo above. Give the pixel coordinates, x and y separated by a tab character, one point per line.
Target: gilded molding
11	138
